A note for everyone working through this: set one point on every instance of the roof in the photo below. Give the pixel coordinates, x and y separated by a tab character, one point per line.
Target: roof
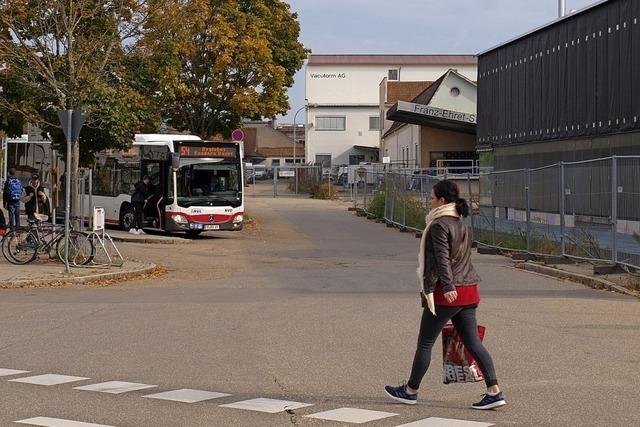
262	140
315	59
554	22
164	137
404	91
366	147
422	98
426	95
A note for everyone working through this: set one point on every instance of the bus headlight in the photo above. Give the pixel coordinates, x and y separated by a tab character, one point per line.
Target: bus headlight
180	219
238	218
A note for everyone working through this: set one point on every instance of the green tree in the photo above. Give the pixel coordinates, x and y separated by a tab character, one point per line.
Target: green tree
223	60
59	54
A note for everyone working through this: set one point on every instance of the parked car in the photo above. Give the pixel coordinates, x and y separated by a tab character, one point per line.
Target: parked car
260	172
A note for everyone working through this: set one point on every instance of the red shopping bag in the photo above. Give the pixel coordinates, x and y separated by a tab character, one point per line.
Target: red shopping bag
458	364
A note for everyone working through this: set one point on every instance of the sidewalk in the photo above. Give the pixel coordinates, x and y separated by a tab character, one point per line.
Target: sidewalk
623	283
153	238
46	272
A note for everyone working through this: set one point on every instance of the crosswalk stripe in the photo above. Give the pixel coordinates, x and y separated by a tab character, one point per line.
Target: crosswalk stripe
271	406
115	387
9	372
187	395
445	422
48	379
351	415
57	422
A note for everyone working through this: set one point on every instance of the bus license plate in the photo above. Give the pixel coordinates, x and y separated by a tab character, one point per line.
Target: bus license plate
211	227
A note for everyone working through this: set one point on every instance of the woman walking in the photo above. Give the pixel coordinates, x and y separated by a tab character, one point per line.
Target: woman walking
449	286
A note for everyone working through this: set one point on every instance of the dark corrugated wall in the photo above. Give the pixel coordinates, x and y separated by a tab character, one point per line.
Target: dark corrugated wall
574	79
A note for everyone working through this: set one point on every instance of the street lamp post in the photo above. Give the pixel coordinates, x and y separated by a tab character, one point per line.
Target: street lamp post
295	125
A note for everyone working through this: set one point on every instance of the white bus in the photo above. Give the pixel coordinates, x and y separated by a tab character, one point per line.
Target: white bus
196	185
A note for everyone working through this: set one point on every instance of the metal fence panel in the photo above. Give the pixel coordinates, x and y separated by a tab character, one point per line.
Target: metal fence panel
545	234
588	210
628	218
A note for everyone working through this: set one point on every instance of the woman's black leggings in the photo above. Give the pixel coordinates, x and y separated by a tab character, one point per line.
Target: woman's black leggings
464	320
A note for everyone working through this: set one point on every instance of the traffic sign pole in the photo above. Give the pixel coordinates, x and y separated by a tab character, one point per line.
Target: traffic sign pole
71	121
67	191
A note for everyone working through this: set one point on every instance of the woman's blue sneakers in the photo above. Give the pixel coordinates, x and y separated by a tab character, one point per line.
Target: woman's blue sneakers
490	402
400	394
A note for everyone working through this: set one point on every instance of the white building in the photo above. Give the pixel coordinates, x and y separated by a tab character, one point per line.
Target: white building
343	95
437	128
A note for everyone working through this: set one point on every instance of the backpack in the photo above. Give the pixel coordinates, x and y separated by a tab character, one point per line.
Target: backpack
15	189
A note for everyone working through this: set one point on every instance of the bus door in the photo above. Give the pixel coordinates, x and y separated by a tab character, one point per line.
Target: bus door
158	172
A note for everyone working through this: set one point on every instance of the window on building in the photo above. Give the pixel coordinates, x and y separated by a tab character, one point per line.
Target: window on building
356	159
275	162
374	123
394	74
323	160
331	123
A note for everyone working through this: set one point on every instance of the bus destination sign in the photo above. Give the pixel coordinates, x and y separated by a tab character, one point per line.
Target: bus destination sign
200	151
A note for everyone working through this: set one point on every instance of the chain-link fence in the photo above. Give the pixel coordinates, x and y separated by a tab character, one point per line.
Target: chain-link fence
401	197
583	210
586	210
279	181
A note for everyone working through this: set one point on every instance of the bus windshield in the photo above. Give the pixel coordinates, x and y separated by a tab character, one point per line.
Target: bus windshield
208	184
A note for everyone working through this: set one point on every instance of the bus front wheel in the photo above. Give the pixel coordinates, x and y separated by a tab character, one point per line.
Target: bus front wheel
127	217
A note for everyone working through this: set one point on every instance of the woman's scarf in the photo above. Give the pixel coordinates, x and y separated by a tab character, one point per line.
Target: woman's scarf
439	212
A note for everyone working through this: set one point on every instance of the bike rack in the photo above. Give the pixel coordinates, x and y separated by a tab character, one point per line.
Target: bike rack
103	243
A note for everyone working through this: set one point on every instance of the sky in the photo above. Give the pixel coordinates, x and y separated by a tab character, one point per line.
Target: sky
414	27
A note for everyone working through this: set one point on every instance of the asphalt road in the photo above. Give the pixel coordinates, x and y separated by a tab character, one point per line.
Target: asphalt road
316	306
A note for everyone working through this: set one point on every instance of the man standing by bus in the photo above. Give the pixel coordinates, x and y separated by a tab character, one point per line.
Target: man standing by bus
35	200
11	195
139	200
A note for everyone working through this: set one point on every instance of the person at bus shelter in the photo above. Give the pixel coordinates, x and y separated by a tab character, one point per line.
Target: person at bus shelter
11	195
35	200
139	199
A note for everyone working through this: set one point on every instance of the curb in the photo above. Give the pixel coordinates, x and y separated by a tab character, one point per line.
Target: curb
80	279
170	241
592	282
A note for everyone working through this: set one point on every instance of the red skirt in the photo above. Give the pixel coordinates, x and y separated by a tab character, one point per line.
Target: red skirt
467	295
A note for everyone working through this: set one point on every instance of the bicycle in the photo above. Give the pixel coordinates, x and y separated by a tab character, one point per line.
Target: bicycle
22	245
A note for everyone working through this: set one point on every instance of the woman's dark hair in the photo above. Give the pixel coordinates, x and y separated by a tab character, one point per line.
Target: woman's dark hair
448	190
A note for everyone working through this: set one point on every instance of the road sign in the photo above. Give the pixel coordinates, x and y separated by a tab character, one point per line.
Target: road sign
237	135
286	174
72	130
71	121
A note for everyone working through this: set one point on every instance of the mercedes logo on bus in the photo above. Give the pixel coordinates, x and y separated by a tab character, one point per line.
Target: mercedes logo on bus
211	219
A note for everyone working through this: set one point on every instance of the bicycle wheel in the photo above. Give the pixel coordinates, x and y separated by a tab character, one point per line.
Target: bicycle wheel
20	246
81	249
